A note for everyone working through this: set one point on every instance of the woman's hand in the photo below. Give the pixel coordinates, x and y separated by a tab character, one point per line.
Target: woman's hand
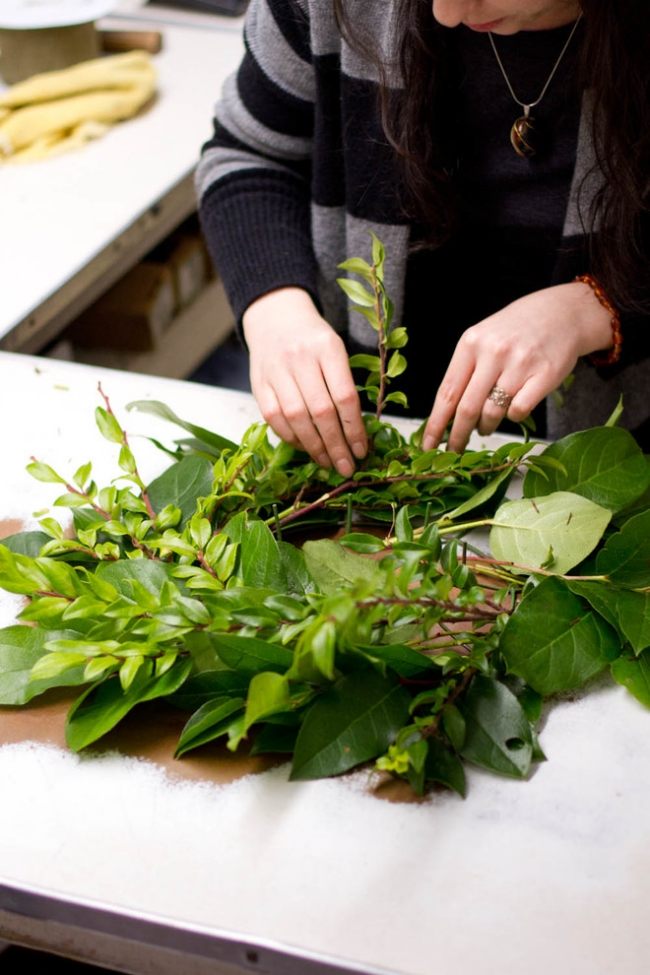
525	350
301	379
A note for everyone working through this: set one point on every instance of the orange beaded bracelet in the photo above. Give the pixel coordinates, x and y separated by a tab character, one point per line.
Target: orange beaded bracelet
612	355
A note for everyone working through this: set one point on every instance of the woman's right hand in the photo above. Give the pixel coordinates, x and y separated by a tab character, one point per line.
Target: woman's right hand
301	379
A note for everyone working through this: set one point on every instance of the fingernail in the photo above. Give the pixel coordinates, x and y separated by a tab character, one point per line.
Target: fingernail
345	468
359	450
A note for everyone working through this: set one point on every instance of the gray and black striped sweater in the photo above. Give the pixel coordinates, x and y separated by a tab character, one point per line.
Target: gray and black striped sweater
299	171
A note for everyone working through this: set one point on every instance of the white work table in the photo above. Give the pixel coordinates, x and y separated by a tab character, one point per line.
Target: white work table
71	226
121	861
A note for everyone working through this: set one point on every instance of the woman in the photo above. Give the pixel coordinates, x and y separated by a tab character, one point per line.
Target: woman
499	148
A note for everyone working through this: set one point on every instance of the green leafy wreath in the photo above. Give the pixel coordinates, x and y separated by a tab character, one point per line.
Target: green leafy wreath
385	636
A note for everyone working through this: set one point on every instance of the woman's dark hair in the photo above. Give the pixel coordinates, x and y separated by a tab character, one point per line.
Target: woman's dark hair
615	66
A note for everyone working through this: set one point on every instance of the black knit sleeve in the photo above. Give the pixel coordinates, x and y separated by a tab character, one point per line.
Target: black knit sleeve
253	179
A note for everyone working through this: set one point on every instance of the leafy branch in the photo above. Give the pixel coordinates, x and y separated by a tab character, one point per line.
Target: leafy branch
402	642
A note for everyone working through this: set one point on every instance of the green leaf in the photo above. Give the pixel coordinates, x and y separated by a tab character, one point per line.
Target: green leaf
250	655
82	474
396	365
356	292
211	721
104	705
498	736
54	665
454	726
261	564
26	543
362	361
43	472
628	611
268	693
404	660
274	739
352	722
21	647
403	527
362	542
482	496
209	684
181	485
555	641
127	575
604	465
397	397
214	441
625	557
523	532
357	266
333	568
444	767
634	674
108	425
129	670
378	253
397	338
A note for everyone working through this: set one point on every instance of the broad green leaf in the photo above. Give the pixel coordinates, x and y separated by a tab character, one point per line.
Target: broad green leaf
498	736
268	693
628	611
250	655
625	557
104	705
26	543
213	440
21	647
555	641
181	485
404	660
261	564
208	723
444	767
634	674
333	568
352	722
127	574
562	525
605	465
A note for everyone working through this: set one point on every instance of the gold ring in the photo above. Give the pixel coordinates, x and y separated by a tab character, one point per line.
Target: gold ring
500	397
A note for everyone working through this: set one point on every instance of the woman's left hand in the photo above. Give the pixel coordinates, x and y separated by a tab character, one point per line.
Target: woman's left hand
524	351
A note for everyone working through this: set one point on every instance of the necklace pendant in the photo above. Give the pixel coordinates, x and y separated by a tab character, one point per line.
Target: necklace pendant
523	136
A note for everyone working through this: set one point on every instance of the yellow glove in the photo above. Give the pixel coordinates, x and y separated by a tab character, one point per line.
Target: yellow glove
59	110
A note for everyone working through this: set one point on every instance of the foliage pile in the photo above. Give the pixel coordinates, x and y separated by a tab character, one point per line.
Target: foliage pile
398	642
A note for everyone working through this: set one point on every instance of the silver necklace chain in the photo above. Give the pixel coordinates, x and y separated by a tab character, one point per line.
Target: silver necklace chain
527	107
